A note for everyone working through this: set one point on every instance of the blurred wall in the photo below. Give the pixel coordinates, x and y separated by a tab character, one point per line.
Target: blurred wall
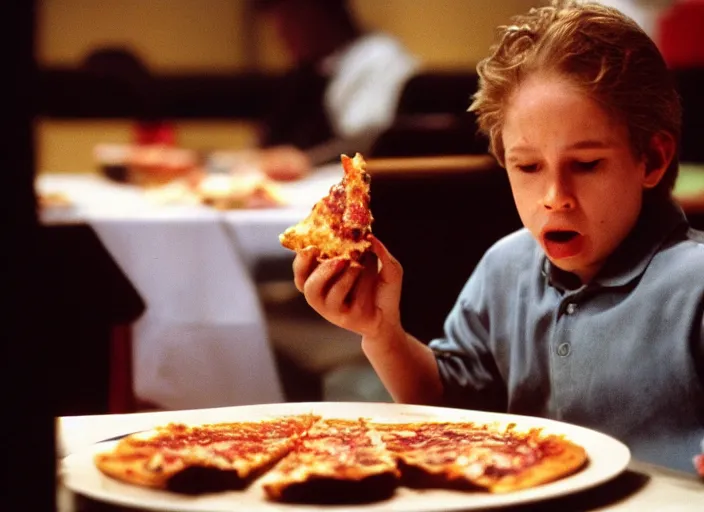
203	35
177	36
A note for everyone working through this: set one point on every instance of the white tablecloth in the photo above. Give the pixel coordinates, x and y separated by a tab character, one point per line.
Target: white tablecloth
202	341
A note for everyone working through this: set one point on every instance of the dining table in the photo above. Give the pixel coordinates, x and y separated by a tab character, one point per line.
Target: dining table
641	486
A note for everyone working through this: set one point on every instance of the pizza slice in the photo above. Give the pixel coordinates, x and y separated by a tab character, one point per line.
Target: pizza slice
340	223
338	461
203	458
488	457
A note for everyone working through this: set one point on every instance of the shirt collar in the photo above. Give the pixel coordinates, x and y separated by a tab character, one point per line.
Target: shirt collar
656	222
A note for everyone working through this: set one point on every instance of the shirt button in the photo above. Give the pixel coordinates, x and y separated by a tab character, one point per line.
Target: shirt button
563	349
571	308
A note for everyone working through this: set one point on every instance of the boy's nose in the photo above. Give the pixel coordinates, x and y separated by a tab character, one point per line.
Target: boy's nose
558	197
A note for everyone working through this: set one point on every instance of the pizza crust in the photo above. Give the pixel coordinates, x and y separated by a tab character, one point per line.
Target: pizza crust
570	459
134	469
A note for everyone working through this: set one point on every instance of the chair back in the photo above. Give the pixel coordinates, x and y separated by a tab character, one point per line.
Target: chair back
438	222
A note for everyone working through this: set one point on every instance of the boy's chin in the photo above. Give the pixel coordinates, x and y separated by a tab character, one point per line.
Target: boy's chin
576	267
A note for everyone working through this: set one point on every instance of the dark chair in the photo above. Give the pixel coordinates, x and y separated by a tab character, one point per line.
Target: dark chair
92	306
690	85
433	92
438	224
432	118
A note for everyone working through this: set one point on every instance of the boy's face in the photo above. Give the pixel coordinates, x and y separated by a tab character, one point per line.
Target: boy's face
575	180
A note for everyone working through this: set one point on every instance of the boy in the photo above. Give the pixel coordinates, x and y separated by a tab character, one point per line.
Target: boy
593	313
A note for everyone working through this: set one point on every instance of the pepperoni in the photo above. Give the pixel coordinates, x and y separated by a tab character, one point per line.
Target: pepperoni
170	458
357	214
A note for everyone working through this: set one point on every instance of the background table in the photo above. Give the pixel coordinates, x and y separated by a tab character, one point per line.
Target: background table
202	341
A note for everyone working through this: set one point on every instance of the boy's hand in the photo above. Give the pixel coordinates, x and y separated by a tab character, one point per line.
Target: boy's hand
361	299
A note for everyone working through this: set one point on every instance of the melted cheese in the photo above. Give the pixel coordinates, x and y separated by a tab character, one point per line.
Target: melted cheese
339	223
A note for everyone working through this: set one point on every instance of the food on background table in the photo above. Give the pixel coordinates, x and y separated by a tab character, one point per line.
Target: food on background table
172	175
339	224
53	200
306	458
227	191
220	191
144	165
283	163
154	165
113	161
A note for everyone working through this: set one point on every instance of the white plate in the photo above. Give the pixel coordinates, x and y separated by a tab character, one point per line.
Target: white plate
607	458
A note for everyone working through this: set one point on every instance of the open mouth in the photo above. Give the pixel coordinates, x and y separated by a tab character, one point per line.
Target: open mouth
560	236
561	244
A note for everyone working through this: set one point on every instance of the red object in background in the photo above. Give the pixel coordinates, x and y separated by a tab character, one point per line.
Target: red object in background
681	34
699	464
154	133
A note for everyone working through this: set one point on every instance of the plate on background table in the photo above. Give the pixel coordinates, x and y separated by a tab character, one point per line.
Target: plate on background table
608	457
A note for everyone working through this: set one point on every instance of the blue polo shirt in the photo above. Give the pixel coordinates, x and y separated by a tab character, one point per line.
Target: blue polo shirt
623	354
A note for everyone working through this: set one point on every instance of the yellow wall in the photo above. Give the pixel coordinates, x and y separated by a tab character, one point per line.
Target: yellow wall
188	35
444	33
197	35
213	35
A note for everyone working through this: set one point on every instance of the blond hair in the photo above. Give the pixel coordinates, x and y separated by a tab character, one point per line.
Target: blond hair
600	50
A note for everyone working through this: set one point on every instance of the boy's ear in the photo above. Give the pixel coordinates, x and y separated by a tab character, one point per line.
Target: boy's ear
660	153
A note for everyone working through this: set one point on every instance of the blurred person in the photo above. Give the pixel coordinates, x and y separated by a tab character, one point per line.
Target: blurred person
340	94
593	314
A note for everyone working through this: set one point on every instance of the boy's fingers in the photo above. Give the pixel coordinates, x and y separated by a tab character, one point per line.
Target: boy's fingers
363	291
304	264
340	289
391	269
321	280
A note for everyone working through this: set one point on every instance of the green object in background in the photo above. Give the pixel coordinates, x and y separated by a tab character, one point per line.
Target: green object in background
690	180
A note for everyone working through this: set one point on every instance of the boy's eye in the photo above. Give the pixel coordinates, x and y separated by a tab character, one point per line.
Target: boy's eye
588	166
528	167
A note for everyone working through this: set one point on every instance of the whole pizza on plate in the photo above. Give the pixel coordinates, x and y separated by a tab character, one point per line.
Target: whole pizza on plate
341	456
